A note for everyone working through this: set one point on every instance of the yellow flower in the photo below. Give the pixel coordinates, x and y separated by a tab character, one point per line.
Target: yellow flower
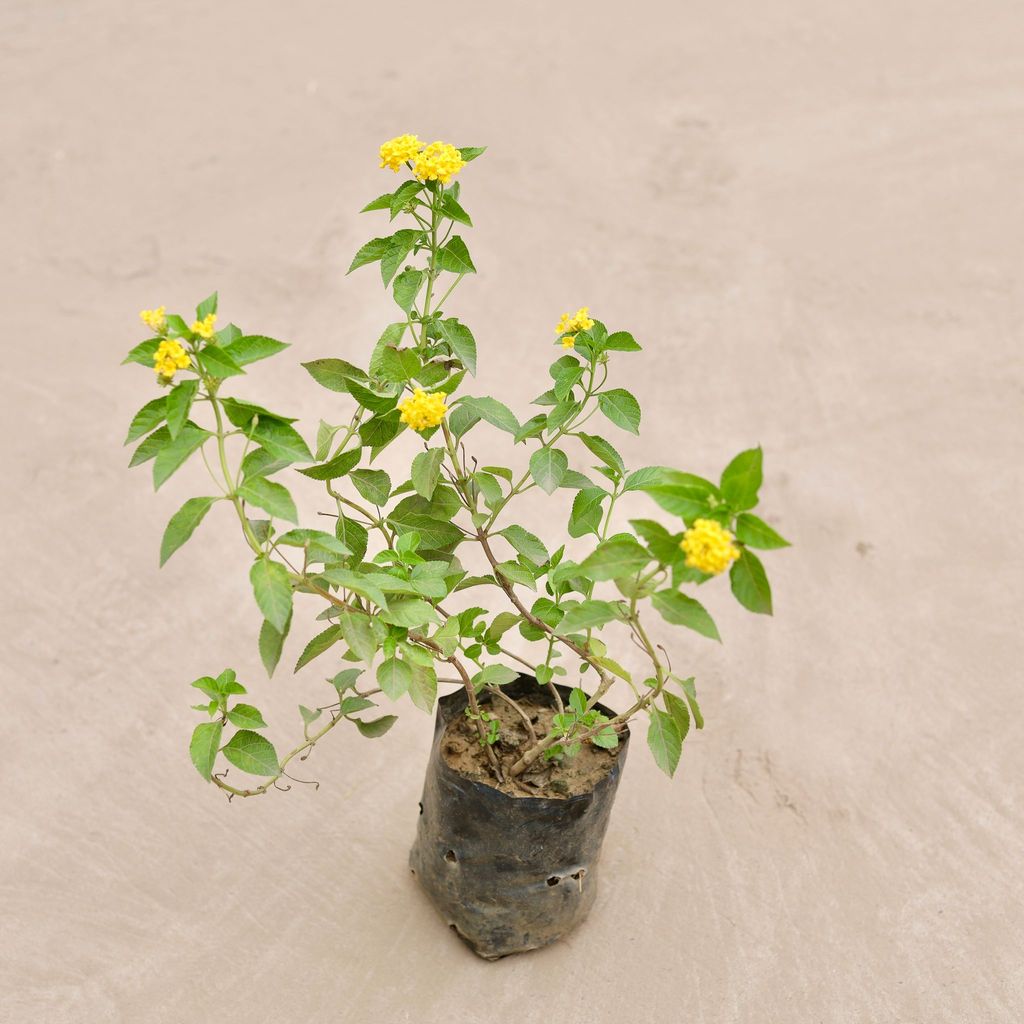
399	150
572	322
204	327
422	411
154	319
438	162
569	341
169	358
709	547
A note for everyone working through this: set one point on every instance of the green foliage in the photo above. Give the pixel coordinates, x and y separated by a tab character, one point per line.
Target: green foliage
387	572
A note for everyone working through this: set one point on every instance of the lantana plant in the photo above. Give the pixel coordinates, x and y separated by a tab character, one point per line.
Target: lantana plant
389	584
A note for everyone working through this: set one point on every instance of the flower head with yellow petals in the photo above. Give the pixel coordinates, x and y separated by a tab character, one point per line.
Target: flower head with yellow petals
170	357
709	547
155	319
571	323
422	411
399	150
204	327
438	162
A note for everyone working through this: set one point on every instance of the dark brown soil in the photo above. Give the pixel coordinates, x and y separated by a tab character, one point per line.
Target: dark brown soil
461	749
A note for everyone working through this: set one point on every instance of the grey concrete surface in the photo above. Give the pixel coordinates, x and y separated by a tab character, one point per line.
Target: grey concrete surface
810	215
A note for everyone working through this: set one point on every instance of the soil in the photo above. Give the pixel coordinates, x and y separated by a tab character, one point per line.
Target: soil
461	749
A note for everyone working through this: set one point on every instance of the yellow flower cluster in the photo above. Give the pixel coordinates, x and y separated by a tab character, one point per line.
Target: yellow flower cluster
422	411
399	150
709	547
204	327
438	162
154	319
169	358
571	323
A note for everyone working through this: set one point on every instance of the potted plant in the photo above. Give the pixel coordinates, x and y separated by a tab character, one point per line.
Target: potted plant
526	755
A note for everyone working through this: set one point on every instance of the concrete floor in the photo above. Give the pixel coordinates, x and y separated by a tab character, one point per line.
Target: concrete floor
811	216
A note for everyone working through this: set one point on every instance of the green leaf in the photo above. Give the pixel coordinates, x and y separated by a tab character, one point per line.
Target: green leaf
308	715
664	740
151	415
320	643
526	544
271	643
250	348
402	243
206	307
182	525
242	413
426	471
394	677
750	584
586	513
690	692
603	450
373	484
358	635
453	211
621	408
683	494
461	341
423	687
547	467
454	257
494	675
357	582
495	412
409	612
756	533
679	712
380	203
259	462
471	152
353	535
334	374
144	353
741	479
402	195
371	400
317	543
436	535
615	558
662	544
273	591
179	404
252	753
374	250
378	727
245	716
649	476
621	341
517	574
218	363
282	441
338	466
588	615
271	497
171	456
681	610
381	430
204	746
407	286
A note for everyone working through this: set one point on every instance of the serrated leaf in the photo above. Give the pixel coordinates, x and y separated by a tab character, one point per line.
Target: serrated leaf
338	466
409	612
378	727
547	467
615	558
373	484
621	341
402	243
150	416
182	525
526	543
603	450
334	374
394	677
679	712
461	341
756	533
494	675
273	591
372	251
179	404
588	615
250	348
423	687
218	363
245	716
203	747
496	413
359	636
621	408
271	497
271	643
282	441
172	455
741	479
453	211
681	610
664	741
206	307
144	353
252	753
454	257
407	286
750	584
426	471
320	643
